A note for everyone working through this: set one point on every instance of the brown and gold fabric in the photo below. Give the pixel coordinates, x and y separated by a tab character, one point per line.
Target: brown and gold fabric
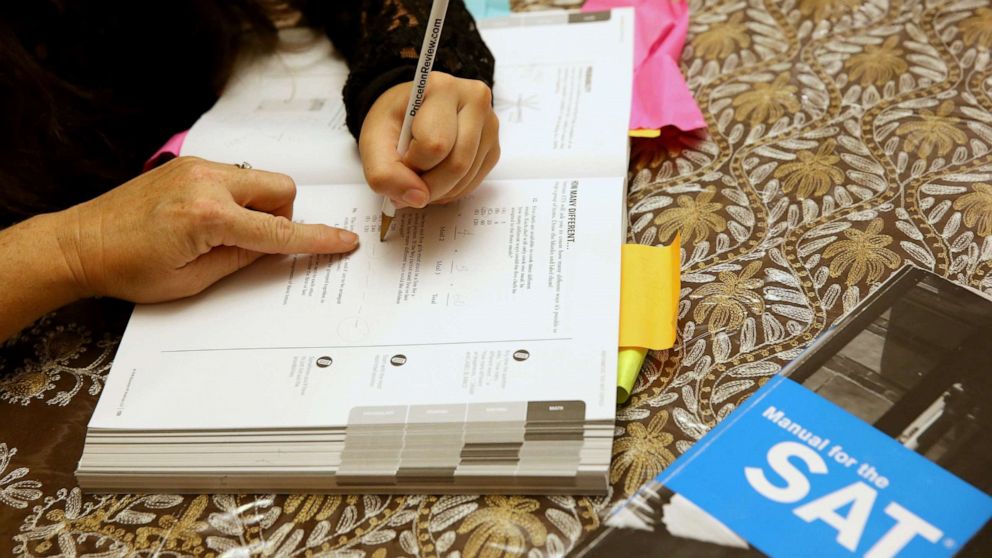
846	137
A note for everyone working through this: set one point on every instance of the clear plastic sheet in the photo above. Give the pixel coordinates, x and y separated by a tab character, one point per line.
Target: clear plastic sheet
911	360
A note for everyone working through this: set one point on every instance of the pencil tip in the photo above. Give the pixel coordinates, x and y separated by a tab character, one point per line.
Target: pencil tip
384	224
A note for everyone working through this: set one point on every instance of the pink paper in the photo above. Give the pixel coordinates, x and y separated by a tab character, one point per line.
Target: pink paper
661	96
168	151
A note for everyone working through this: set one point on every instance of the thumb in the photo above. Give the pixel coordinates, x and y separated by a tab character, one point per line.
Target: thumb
215	265
383	166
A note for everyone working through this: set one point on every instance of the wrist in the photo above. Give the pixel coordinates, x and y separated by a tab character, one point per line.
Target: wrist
361	93
34	277
67	272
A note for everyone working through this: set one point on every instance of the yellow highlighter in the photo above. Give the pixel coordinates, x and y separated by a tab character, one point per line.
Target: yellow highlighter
629	363
650	281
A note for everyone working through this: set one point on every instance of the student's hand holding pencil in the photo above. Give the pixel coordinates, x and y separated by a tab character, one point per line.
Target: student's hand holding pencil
455	142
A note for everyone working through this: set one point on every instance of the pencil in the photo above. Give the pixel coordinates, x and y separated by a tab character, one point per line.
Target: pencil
428	50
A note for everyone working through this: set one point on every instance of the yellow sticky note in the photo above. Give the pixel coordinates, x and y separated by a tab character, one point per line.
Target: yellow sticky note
650	281
644	133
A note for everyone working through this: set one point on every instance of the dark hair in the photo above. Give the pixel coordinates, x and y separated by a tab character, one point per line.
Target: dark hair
78	77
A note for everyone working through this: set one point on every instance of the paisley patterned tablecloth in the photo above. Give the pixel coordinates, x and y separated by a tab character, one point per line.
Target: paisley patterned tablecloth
846	137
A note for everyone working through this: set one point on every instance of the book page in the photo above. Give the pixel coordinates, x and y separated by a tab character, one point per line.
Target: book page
510	294
562	92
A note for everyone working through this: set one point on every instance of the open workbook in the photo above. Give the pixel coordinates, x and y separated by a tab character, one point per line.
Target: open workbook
474	350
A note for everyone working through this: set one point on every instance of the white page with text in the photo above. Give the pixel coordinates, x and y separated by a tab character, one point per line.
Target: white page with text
509	294
562	93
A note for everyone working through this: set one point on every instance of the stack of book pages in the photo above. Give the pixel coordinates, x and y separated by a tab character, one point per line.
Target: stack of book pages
474	350
529	447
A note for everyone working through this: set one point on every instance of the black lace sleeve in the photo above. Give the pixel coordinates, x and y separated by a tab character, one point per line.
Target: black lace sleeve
381	41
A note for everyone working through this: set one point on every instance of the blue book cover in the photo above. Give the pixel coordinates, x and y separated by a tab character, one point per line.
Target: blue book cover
874	442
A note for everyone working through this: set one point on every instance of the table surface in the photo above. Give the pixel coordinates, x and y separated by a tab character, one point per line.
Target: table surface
846	137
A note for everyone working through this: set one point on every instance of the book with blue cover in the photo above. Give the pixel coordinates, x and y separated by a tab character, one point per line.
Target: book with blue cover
873	442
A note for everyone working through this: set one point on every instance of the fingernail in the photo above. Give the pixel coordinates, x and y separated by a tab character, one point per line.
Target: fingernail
415	198
348	237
